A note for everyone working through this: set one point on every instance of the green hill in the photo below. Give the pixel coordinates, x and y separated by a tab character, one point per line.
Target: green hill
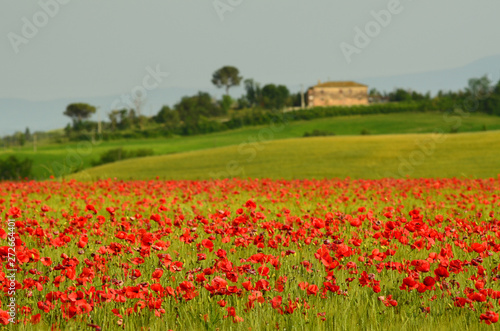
416	155
62	159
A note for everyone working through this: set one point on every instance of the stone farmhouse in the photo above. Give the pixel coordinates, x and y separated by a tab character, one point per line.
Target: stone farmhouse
337	94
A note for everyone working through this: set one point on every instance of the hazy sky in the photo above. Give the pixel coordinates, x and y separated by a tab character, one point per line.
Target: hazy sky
99	48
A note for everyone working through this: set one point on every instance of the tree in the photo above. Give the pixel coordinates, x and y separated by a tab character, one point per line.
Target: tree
493	101
479	87
480	90
113	118
493	105
415	96
496	89
243	102
400	95
79	111
192	109
226	76
139	103
226	103
134	118
201	104
168	117
295	99
254	92
275	97
124	119
67	130
27	134
375	95
20	137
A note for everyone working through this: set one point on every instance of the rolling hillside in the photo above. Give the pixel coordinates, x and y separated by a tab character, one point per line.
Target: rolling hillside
62	159
415	155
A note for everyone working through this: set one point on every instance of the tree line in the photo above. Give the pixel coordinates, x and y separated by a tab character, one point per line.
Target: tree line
192	114
481	92
201	113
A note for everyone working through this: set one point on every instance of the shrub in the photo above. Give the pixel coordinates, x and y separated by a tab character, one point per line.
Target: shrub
365	132
142	152
119	154
14	169
318	133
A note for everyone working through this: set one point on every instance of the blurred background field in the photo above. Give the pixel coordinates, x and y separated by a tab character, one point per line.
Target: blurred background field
358	146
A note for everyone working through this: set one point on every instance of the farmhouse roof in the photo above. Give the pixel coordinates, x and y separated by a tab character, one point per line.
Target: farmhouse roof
340	84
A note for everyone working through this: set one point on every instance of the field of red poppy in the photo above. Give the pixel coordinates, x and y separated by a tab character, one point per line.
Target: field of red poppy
250	254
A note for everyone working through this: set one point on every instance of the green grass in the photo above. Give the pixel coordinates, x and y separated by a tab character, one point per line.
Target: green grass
61	159
415	155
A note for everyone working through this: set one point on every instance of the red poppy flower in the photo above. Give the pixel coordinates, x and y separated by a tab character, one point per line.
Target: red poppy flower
208	244
157	274
489	317
312	290
4	317
276	302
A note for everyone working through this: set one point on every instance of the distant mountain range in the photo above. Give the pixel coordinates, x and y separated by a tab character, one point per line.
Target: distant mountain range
17	114
446	80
